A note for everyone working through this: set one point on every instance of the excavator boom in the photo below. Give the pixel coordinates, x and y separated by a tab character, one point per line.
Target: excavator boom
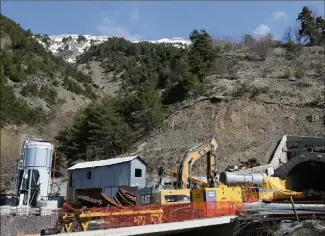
190	157
174	174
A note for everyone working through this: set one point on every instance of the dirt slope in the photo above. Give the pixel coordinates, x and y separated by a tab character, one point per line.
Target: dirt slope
266	100
244	129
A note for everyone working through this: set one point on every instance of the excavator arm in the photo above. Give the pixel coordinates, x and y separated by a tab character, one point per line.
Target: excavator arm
174	175
190	157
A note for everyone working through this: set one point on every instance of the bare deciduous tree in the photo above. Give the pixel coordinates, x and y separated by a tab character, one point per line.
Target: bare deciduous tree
297	36
226	43
289	34
263	45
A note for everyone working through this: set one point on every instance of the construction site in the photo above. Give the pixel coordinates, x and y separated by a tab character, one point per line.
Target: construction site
113	197
124	118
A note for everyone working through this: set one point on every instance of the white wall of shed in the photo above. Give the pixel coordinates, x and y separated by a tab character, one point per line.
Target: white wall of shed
138	181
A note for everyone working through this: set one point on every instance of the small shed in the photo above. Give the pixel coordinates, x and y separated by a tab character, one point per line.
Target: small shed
94	177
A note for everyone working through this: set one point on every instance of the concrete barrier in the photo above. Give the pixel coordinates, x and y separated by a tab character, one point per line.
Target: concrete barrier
158	229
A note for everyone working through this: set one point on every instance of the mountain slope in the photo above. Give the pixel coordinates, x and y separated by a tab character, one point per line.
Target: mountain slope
257	96
165	99
254	103
35	83
144	70
39	92
249	107
70	46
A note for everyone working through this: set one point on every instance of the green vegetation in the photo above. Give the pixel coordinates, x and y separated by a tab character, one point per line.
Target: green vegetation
141	61
312	29
49	94
179	72
290	46
112	125
153	75
97	131
299	73
30	90
23	59
15	111
202	54
311	32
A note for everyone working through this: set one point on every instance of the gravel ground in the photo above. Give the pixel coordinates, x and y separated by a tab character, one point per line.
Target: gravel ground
20	225
305	228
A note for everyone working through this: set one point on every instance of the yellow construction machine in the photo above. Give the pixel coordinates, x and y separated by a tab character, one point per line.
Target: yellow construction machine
184	174
180	192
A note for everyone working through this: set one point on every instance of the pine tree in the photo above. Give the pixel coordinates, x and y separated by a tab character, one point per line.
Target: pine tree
96	132
320	26
202	53
307	25
191	84
248	40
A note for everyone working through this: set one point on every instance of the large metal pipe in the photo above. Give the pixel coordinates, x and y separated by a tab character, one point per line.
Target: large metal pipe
231	178
283	206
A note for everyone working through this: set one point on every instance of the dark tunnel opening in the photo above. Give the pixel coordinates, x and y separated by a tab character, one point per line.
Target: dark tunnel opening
307	175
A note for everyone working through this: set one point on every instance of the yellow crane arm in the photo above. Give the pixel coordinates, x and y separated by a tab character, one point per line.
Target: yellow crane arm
190	157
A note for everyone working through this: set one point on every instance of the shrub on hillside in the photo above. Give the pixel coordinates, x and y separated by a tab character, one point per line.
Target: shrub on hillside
71	85
49	94
55	83
299	73
257	91
262	46
224	66
290	46
248	40
191	84
30	89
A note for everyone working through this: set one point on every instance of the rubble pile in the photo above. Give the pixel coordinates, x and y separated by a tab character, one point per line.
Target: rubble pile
123	198
304	228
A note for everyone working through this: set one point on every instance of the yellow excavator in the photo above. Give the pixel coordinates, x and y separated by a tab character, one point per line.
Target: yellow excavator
209	148
184	174
184	180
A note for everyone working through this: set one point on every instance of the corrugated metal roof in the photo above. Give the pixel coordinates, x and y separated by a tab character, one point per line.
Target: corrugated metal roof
107	162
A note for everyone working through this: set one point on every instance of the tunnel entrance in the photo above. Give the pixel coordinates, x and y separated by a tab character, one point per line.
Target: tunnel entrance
307	175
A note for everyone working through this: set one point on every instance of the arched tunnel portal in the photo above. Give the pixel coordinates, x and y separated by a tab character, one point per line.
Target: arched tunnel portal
307	175
305	171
